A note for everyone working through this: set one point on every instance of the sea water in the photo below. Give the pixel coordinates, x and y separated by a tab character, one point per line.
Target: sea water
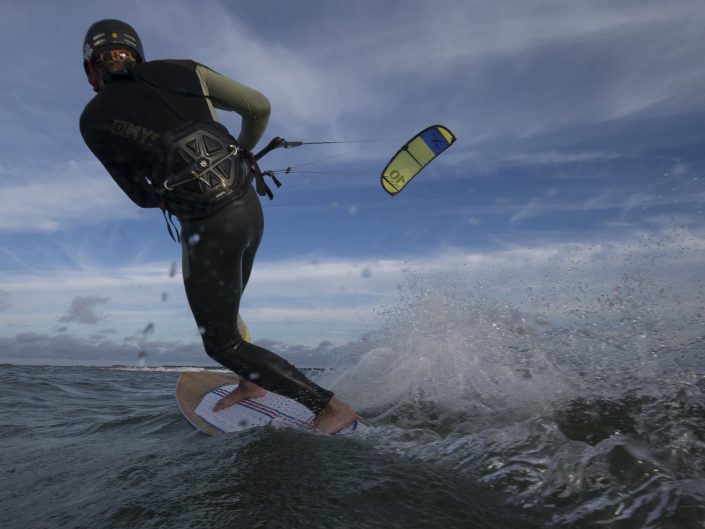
550	401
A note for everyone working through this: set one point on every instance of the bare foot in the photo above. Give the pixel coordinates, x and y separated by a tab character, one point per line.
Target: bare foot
334	417
244	390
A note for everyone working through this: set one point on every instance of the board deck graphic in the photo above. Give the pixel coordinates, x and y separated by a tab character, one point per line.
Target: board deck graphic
197	393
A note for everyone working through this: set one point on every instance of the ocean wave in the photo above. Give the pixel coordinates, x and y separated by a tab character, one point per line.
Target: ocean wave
594	416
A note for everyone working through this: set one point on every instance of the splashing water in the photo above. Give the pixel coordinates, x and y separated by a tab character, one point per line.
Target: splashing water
574	395
459	351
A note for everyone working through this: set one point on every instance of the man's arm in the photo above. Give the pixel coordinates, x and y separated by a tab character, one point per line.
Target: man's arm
135	186
253	106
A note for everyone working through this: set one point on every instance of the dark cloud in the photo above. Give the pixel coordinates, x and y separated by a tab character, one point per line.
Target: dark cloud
97	349
322	355
53	349
83	310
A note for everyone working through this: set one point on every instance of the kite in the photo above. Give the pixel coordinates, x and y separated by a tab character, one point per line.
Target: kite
416	154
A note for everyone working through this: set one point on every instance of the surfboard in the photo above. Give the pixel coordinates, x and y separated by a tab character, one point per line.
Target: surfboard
198	391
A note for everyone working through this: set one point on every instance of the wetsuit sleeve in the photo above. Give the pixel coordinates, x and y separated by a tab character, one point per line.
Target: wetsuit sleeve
227	94
141	193
135	186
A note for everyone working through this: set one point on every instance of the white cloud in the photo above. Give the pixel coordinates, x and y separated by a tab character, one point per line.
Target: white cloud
44	197
306	302
372	69
555	157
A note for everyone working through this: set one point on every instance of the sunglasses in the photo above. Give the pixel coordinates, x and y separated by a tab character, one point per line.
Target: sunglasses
116	56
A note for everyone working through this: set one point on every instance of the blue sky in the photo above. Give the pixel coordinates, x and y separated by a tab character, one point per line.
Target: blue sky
579	155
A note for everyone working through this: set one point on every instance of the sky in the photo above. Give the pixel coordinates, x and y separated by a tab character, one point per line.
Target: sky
579	161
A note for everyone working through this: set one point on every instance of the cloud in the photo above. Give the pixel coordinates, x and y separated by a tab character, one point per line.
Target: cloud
586	115
555	157
509	70
525	82
59	196
67	349
318	355
33	348
83	310
494	70
308	302
653	281
5	303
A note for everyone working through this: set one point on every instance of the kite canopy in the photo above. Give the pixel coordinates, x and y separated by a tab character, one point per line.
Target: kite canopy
418	152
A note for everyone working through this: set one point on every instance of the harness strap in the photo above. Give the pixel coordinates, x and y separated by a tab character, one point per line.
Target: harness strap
169	224
260	185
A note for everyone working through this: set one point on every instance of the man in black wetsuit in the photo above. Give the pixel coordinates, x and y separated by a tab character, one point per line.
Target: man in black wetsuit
154	128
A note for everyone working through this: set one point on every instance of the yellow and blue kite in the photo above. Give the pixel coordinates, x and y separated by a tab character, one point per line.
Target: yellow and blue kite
416	154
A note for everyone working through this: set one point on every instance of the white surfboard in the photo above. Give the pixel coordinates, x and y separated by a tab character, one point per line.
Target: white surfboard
197	393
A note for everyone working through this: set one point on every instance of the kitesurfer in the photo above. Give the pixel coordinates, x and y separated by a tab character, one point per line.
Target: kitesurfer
154	128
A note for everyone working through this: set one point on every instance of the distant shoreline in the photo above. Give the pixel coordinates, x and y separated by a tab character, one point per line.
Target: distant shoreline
144	368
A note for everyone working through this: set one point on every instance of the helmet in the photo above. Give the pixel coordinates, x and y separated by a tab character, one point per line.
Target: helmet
111	32
107	34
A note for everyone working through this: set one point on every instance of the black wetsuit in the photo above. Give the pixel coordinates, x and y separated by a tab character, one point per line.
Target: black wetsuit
121	126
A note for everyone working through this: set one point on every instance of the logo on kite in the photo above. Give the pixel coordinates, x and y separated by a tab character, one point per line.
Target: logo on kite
416	154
